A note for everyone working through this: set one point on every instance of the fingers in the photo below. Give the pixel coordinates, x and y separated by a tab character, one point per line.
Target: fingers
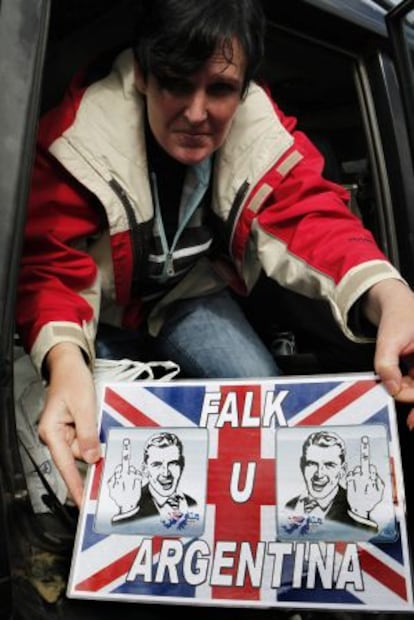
68	422
61	441
126	455
401	387
72	399
63	458
83	412
387	366
365	456
376	478
410	420
389	304
87	435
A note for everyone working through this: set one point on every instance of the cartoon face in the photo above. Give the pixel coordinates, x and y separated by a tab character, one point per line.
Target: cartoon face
163	469
322	469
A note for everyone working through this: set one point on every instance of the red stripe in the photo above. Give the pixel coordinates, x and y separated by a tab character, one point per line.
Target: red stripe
136	416
379	571
96	481
235	521
110	573
383	573
322	414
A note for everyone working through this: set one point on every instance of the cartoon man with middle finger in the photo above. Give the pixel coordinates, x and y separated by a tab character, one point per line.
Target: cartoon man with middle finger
152	489
331	493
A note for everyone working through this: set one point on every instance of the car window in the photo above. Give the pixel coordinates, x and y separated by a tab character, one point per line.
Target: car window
319	86
400	23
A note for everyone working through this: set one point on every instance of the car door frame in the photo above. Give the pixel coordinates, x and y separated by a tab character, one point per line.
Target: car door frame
23	38
403	63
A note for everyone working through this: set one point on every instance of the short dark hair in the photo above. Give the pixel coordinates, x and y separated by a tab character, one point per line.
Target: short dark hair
323	439
164	440
176	37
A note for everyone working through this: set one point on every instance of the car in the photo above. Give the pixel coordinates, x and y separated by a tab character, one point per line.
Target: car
344	68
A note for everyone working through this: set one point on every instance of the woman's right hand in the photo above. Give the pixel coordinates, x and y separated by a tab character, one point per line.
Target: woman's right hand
68	423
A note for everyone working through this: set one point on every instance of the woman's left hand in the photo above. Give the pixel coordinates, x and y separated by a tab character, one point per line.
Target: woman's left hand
390	305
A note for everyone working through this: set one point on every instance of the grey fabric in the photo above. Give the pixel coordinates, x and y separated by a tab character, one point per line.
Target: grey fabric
29	398
29	395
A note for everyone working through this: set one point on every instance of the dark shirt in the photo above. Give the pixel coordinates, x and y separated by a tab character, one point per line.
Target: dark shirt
167	178
148	507
339	511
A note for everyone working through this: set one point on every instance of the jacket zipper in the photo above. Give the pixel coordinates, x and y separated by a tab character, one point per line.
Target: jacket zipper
235	212
139	239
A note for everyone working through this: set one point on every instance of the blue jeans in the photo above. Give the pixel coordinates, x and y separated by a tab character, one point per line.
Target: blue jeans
208	337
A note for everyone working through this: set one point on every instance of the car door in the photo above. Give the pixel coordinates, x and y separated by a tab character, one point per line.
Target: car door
400	25
23	28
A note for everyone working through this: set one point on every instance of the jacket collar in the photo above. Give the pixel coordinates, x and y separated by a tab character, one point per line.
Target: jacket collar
107	141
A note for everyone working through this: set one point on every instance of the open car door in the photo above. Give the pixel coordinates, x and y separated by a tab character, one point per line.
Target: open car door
400	25
23	30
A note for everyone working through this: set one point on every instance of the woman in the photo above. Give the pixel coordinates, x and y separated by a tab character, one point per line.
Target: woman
160	193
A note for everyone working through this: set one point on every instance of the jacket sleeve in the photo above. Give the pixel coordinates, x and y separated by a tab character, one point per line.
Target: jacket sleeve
58	290
307	238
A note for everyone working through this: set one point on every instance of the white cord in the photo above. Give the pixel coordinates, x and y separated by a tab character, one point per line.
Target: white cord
130	370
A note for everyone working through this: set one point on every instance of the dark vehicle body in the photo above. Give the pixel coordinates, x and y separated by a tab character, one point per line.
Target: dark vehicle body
343	67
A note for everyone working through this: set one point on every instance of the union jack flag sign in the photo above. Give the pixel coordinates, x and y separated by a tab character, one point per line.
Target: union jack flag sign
246	450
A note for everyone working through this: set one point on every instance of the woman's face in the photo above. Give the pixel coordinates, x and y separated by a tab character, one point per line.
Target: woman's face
190	117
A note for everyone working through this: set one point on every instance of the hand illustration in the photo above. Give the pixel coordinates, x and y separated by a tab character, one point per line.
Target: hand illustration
125	484
365	488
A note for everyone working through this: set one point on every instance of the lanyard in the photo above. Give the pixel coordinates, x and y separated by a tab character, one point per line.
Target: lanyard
190	200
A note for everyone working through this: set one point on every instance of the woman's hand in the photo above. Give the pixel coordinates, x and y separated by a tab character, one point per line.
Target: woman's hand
390	305
68	424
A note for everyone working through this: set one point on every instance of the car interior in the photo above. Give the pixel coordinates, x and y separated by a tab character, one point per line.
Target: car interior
313	82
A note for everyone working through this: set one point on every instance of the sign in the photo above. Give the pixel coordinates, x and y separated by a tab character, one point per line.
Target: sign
284	492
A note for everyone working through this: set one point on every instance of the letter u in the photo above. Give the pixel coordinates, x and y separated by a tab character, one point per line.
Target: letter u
242	495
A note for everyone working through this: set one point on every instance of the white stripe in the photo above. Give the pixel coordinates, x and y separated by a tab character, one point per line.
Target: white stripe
98	556
359	410
151	406
182	252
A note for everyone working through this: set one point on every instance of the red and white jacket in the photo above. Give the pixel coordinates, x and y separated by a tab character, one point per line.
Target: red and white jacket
90	212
